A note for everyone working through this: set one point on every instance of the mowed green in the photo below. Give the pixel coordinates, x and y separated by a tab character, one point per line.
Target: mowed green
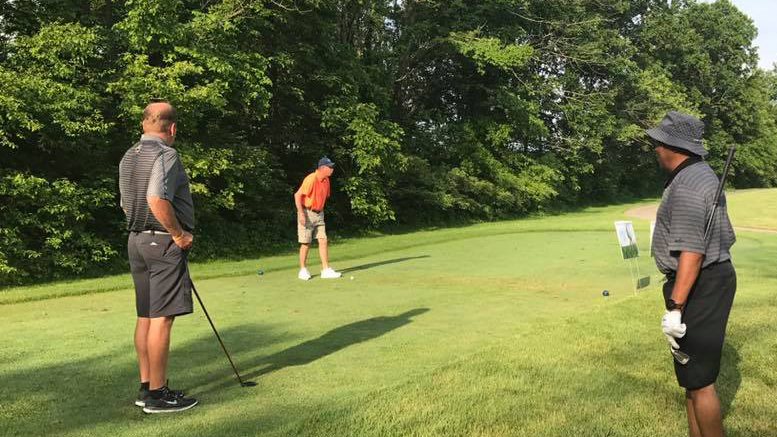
497	329
754	208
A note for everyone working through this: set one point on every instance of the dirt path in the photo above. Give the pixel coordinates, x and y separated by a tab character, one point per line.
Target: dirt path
648	212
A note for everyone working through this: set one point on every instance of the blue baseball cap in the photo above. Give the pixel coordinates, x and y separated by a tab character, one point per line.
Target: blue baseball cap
325	161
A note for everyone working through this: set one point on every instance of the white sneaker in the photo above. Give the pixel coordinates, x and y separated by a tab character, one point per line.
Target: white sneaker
303	274
329	273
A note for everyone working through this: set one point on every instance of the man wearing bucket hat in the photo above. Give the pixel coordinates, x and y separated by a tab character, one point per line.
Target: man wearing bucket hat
310	200
701	280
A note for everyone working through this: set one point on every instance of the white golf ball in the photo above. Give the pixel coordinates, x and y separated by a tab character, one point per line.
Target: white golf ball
351	278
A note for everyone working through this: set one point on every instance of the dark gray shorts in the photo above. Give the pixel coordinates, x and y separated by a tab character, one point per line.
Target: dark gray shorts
161	276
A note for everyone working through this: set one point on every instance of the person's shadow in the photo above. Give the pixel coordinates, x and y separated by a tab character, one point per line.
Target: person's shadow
729	379
333	341
380	263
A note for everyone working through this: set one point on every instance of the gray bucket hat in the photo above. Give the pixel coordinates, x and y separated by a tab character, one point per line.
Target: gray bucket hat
680	130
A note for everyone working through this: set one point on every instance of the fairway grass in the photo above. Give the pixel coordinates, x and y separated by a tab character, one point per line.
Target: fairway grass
497	329
754	208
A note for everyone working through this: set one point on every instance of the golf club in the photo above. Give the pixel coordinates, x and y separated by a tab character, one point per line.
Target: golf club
680	356
721	184
240	380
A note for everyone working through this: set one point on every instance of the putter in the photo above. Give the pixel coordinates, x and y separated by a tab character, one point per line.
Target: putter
680	356
224	348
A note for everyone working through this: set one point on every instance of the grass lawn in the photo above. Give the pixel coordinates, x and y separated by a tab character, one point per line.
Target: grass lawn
755	208
497	329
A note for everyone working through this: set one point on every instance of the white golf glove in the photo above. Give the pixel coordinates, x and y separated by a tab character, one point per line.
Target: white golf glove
673	327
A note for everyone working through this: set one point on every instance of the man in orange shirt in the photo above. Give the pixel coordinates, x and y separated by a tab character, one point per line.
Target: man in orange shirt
310	200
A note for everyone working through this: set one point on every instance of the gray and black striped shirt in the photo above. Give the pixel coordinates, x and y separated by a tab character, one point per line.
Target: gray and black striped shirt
683	214
151	168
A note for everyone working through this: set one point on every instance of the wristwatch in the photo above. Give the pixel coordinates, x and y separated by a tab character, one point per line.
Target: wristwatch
672	305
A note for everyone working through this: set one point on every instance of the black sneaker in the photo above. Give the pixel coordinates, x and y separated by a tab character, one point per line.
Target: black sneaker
170	402
145	395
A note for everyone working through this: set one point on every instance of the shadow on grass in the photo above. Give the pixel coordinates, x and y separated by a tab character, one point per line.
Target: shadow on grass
335	340
83	396
605	381
327	344
78	395
729	379
380	263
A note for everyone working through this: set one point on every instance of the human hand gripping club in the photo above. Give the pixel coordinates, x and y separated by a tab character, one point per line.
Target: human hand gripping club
673	328
688	267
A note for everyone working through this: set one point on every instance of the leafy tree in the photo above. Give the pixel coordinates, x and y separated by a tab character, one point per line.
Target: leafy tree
433	110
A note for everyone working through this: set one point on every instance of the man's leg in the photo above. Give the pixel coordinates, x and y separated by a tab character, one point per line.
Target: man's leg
693	426
158	348
705	406
303	254
323	252
141	348
141	279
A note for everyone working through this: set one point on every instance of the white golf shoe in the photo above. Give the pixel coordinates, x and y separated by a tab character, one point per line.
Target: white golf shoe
329	273
303	274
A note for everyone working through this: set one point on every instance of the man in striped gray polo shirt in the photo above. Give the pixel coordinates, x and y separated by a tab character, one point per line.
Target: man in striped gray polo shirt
155	197
701	280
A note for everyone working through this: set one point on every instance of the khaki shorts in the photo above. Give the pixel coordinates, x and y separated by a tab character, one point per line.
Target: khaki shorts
314	227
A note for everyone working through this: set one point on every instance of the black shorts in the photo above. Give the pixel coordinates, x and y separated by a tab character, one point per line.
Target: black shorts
161	275
705	316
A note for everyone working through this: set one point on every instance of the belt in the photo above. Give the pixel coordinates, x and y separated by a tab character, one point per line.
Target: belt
152	232
317	211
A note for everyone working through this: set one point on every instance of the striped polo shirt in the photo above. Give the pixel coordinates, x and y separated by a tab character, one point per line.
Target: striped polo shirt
151	168
682	215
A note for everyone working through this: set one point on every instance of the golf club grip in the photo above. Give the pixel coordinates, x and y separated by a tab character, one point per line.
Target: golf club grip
721	185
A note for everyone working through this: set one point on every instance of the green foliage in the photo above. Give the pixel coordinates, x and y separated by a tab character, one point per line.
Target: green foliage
434	111
53	227
152	24
372	149
491	51
51	98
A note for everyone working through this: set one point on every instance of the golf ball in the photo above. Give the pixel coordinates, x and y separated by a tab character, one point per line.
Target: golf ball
351	278
605	293
260	272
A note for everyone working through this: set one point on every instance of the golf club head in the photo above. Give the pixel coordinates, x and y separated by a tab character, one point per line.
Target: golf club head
680	356
248	384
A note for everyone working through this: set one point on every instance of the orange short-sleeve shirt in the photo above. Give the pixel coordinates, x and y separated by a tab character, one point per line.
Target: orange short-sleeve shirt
314	191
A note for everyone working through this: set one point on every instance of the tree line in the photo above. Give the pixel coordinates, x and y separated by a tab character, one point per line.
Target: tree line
434	111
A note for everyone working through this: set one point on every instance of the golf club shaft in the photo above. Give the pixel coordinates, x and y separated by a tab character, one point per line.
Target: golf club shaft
721	185
216	332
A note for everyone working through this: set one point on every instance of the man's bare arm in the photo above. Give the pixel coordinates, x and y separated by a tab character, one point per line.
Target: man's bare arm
688	267
164	213
300	209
